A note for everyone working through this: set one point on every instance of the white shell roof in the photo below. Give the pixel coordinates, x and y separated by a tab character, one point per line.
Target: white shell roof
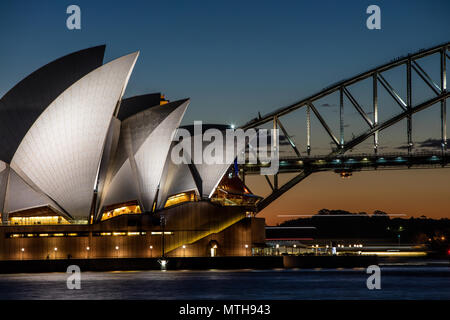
61	152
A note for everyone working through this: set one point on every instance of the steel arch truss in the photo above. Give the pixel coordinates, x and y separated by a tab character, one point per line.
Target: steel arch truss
412	64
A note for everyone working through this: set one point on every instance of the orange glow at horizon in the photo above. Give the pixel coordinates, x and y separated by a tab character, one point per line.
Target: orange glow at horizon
413	192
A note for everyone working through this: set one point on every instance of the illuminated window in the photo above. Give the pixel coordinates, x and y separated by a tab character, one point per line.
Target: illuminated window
44	215
118	233
37	220
231	191
131	207
225	198
163	100
180	198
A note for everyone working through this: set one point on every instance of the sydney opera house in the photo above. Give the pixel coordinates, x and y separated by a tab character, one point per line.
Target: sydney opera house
86	173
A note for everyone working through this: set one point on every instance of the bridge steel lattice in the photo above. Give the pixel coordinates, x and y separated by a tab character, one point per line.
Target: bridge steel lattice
304	165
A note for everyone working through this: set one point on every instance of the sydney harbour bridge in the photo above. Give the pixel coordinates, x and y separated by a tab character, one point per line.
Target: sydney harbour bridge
423	71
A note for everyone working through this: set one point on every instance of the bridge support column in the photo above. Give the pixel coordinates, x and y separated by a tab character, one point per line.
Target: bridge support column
308	129
409	104
443	102
341	116
375	111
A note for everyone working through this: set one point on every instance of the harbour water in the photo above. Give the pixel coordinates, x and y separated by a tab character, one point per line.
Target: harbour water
397	282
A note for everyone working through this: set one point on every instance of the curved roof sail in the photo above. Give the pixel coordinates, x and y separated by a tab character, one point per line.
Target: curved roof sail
144	144
131	106
179	178
25	102
4	173
20	196
62	150
210	174
149	158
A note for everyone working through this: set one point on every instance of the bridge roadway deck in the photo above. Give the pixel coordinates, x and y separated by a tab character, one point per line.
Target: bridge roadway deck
356	162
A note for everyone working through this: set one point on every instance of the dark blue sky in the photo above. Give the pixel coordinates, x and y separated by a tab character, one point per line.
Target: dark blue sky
235	58
232	58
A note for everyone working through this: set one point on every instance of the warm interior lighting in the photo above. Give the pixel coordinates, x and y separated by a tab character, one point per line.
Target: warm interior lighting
131	207
32	235
180	198
345	174
118	233
163	100
41	215
45	220
231	191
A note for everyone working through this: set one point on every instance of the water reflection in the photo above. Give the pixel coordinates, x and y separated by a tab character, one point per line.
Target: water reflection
396	282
